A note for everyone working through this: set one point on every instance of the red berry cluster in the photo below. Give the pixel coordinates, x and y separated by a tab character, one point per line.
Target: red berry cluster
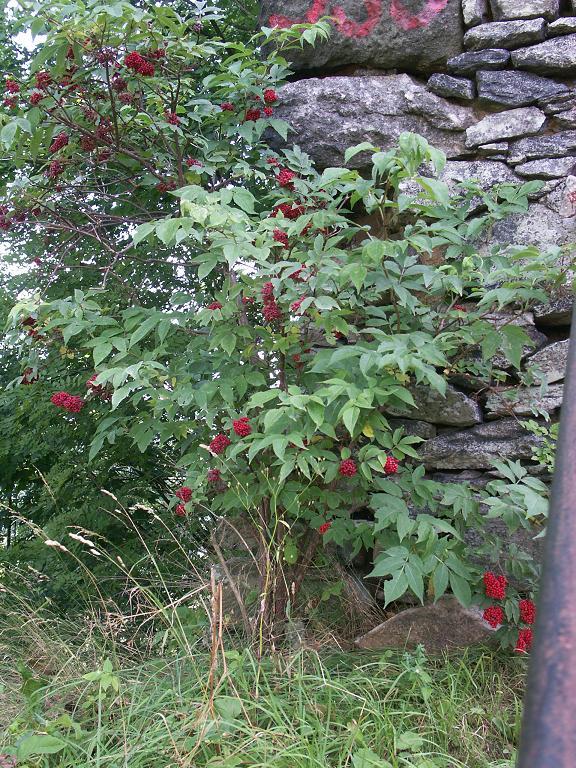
28	377
270	96
271	310
281	237
12	86
227	106
180	510
172	118
191	162
70	403
43	79
347	468
214	305
527	611
99	390
288	210
242	426
252	115
184	494
60	141
219	444
324	528
524	642
285	178
136	62
494	615
459	308
495	586
35	97
295	306
213	475
55	169
391	466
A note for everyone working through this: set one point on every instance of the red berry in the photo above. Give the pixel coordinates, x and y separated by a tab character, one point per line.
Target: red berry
214	305
172	118
70	403
252	115
191	162
267	291
347	468
285	178
60	141
268	111
280	237
495	586
527	611
180	510
213	475
524	642
270	96
35	97
242	427
184	494
219	444
459	308
271	312
227	106
391	466
324	528
494	615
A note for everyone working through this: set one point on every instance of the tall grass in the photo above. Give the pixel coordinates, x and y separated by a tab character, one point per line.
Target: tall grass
155	687
301	711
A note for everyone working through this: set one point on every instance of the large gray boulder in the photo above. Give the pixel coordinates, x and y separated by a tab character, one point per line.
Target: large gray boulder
554	57
403	34
438	627
328	115
479	446
540	226
455	409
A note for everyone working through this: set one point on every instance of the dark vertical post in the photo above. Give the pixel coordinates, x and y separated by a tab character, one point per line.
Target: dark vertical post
548	738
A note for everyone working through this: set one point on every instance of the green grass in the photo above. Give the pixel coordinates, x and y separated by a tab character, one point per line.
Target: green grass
360	710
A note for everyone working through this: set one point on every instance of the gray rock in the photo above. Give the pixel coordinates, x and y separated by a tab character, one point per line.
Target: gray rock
468	63
418	428
525	401
555	314
496	151
554	145
562	200
524	9
505	125
487	174
541	227
551	361
456	409
566	119
515	89
560	103
438	627
505	34
478	447
413	40
330	114
474	12
452	87
554	57
564	26
547	169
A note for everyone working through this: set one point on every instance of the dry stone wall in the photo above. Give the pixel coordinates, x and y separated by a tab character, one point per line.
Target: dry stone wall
491	83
